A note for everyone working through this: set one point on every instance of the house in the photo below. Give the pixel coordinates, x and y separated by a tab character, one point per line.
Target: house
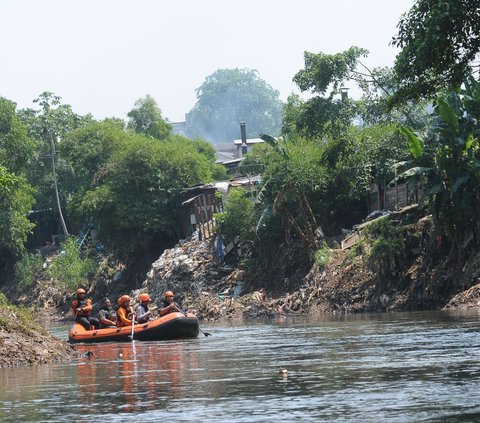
203	201
225	152
386	197
201	204
231	155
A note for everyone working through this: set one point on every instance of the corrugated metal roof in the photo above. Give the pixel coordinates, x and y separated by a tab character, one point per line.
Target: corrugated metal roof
249	141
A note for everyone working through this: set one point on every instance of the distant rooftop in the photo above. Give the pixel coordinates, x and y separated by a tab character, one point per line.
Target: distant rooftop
249	141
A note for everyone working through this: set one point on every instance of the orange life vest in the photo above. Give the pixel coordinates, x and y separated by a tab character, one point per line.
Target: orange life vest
122	316
82	308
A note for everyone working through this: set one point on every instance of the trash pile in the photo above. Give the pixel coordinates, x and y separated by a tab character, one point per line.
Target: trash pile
190	271
210	290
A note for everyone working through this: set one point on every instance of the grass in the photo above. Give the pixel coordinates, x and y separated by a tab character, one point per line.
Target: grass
323	255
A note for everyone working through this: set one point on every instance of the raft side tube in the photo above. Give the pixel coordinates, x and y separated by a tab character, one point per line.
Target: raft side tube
172	326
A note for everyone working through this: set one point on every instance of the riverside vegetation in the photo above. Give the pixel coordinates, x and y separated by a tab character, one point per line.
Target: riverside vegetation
415	123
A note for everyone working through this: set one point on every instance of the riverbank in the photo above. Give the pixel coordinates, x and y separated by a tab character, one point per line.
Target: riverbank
420	277
25	342
348	282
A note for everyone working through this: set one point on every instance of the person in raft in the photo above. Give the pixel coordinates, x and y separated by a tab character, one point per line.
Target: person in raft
107	315
125	314
81	309
143	313
169	306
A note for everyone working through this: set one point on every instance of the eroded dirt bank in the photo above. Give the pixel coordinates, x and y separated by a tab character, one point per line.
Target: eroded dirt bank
22	341
419	278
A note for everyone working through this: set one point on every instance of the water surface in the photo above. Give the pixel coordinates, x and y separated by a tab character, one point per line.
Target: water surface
399	367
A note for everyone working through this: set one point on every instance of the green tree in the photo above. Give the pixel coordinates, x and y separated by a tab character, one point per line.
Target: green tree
117	122
331	178
292	173
323	76
379	147
16	148
237	219
377	108
16	195
229	96
85	153
47	126
325	72
134	199
146	118
439	42
16	200
219	172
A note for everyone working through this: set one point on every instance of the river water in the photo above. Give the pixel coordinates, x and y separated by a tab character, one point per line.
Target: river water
397	367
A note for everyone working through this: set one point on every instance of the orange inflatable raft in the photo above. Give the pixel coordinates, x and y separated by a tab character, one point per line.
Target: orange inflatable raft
171	326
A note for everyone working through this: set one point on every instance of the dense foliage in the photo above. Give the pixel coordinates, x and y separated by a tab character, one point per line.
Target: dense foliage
236	220
324	113
446	163
385	244
71	268
439	42
47	125
317	177
16	194
120	181
134	197
16	200
28	270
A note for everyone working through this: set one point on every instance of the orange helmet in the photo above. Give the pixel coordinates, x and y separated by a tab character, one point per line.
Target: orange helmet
81	291
144	297
168	294
122	299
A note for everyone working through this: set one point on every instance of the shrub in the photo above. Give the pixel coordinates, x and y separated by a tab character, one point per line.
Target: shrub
323	255
17	318
27	270
70	269
386	243
238	217
357	250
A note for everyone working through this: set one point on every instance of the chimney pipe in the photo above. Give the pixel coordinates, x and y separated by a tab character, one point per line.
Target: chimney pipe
243	133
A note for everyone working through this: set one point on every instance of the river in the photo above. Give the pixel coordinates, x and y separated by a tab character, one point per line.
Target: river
396	367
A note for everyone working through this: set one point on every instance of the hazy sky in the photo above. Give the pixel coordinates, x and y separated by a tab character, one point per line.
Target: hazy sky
102	55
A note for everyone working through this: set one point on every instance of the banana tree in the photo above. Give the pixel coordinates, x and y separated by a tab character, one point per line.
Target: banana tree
446	161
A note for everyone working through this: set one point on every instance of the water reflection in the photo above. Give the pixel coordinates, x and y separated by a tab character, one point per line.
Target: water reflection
129	376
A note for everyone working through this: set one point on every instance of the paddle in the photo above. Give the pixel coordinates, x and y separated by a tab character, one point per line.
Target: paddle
205	333
185	313
133	326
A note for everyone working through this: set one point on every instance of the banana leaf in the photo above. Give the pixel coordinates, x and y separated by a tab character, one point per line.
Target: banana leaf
448	114
415	144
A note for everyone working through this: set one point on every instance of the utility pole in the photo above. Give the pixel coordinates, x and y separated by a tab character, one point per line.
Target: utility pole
54	171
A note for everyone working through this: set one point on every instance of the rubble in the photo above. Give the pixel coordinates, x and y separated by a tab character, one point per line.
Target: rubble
202	286
213	291
186	269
